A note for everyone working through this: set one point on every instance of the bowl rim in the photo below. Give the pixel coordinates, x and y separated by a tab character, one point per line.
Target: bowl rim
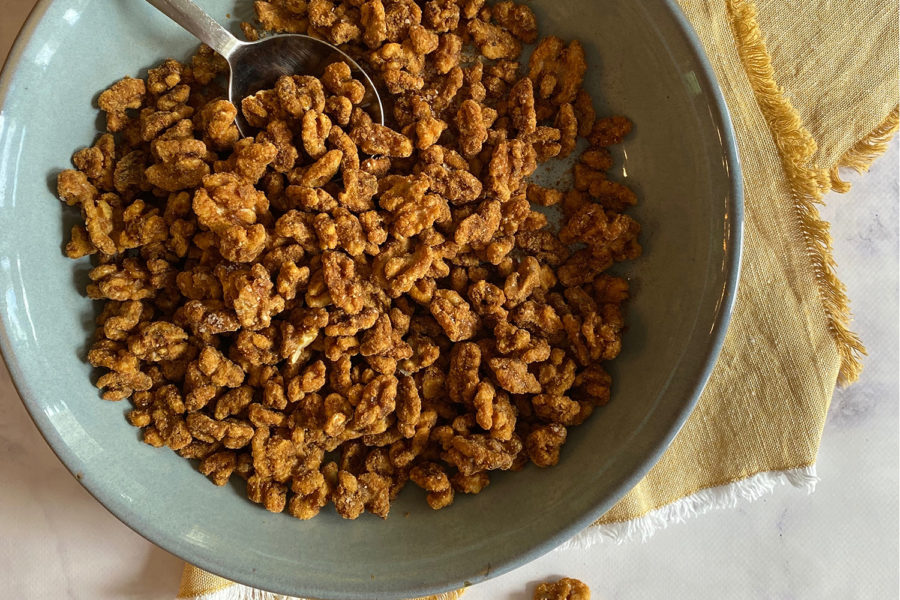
731	267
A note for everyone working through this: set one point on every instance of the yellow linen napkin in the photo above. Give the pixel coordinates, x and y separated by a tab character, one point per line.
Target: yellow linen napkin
811	88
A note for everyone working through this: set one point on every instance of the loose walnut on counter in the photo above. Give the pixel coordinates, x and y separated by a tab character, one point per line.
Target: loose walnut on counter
564	589
394	294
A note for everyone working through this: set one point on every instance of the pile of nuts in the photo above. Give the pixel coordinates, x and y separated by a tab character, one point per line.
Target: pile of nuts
335	307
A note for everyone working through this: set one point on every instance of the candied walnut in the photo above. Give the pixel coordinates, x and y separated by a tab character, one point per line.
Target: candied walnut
543	444
120	318
98	162
164	77
320	172
348	498
291	279
592	385
557	374
556	409
229	207
219	370
487	300
73	187
513	376
359	188
158	341
377	400
564	589
609	131
529	275
277	17
465	359
181	165
299	93
428	130
311	491
338	24
441	15
345	289
458	186
378	139
307	199
398	269
216	119
544	246
454	315
126	281
274	457
124	376
154	123
447	54
431	477
445	89
409	406
129	173
415	213
470	124
494	412
124	94
174	99
168	423
206	65
271	494
557	70
470	484
400	15
545	141
471	8
510	162
339	109
422	40
521	106
567	125
250	32
250	293
374	22
208	318
478	452
253	158
219	466
338	79
252	349
517	18
315	129
592	226
262	107
141	226
341	141
233	402
544	196
493	41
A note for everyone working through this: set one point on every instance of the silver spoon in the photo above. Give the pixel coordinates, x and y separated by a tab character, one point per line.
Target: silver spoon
257	65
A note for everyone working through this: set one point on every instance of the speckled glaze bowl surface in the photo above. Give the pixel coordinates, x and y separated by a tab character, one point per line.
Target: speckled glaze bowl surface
681	160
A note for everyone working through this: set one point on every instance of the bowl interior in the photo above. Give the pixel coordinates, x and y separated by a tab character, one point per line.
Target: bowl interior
680	160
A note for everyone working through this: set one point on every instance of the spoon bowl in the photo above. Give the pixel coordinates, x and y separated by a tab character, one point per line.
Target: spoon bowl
258	65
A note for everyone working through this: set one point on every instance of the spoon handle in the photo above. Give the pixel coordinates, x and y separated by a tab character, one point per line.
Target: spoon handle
196	21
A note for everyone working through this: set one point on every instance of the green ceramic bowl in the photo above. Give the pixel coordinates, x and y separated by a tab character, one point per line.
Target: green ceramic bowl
681	160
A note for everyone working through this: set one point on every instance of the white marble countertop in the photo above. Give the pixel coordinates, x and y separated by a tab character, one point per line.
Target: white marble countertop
841	541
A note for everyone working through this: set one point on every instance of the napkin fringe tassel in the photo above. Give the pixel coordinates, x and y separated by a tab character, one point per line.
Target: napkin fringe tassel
808	182
714	498
860	155
239	591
